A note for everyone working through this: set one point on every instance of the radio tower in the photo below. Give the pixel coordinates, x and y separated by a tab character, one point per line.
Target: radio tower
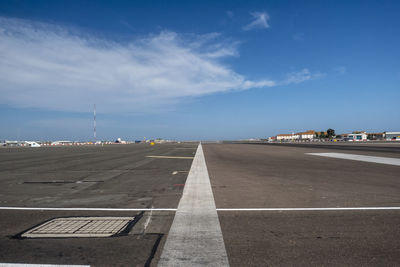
94	123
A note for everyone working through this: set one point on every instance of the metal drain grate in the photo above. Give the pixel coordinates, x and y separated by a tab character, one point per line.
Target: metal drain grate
80	227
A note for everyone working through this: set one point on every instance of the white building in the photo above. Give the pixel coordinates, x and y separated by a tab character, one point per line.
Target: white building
357	137
287	137
62	143
308	135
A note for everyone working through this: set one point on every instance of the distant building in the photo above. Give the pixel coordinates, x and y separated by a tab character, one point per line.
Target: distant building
287	137
392	135
375	136
356	136
308	135
318	134
12	143
62	143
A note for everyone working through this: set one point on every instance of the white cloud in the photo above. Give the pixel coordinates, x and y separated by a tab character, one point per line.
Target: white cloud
50	67
302	76
260	21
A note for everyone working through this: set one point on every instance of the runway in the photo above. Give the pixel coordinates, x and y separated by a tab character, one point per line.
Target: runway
279	206
275	204
116	180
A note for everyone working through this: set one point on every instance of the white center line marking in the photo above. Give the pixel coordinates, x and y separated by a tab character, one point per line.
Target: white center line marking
381	160
195	237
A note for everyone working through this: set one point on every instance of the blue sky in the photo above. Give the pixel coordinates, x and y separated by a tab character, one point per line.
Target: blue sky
197	69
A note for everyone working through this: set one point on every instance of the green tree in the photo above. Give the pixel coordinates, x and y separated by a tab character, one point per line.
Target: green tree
330	132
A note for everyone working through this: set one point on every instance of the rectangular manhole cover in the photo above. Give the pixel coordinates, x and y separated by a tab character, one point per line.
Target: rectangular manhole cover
80	227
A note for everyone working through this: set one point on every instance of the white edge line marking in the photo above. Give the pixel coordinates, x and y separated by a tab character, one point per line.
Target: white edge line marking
219	209
38	265
84	209
365	158
309	209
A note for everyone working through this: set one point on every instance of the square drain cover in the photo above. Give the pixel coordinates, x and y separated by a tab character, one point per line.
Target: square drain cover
80	227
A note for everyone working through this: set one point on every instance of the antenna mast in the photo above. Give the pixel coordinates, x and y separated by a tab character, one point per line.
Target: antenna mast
94	123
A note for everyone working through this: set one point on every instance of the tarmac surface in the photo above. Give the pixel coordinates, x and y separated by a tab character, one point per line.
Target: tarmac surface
243	177
112	176
283	176
390	147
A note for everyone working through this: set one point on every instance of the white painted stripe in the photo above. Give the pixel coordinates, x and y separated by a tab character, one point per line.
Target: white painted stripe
382	160
147	222
195	237
219	209
84	209
169	157
309	209
38	265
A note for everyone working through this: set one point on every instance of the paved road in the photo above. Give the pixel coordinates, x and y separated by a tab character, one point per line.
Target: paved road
281	176
114	176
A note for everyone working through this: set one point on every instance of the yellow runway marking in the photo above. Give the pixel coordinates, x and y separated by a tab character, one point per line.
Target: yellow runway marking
169	157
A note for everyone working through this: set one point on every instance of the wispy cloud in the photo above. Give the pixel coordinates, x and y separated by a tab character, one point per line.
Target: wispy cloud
50	67
260	21
302	76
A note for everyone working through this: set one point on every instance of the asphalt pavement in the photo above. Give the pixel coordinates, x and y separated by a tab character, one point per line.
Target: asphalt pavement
248	176
110	176
253	186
